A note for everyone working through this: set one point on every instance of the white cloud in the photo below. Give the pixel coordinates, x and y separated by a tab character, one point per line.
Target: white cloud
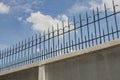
109	5
93	5
25	6
77	8
4	8
41	22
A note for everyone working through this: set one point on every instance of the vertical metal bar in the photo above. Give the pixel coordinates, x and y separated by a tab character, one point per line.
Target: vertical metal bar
69	35
51	52
112	33
5	56
85	42
10	57
81	30
36	50
63	37
22	52
42	55
19	54
88	28
32	50
1	61
58	37
79	43
25	52
16	57
75	33
107	21
15	53
103	35
53	40
94	21
61	49
28	50
13	57
40	46
99	24
36	43
72	45
67	47
44	45
115	17
56	50
48	42
46	54
92	39
4	59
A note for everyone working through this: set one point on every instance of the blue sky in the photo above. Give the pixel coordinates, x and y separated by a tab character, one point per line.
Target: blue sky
20	19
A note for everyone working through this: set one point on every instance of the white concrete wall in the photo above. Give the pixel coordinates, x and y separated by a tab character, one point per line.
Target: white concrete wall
29	74
41	73
100	65
101	62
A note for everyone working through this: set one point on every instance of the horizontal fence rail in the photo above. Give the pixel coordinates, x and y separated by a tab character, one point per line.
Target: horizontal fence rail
79	34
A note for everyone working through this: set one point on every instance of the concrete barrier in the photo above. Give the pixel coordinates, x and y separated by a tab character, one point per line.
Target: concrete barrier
101	62
28	74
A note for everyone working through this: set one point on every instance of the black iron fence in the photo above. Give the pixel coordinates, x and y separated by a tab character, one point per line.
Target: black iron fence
96	28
